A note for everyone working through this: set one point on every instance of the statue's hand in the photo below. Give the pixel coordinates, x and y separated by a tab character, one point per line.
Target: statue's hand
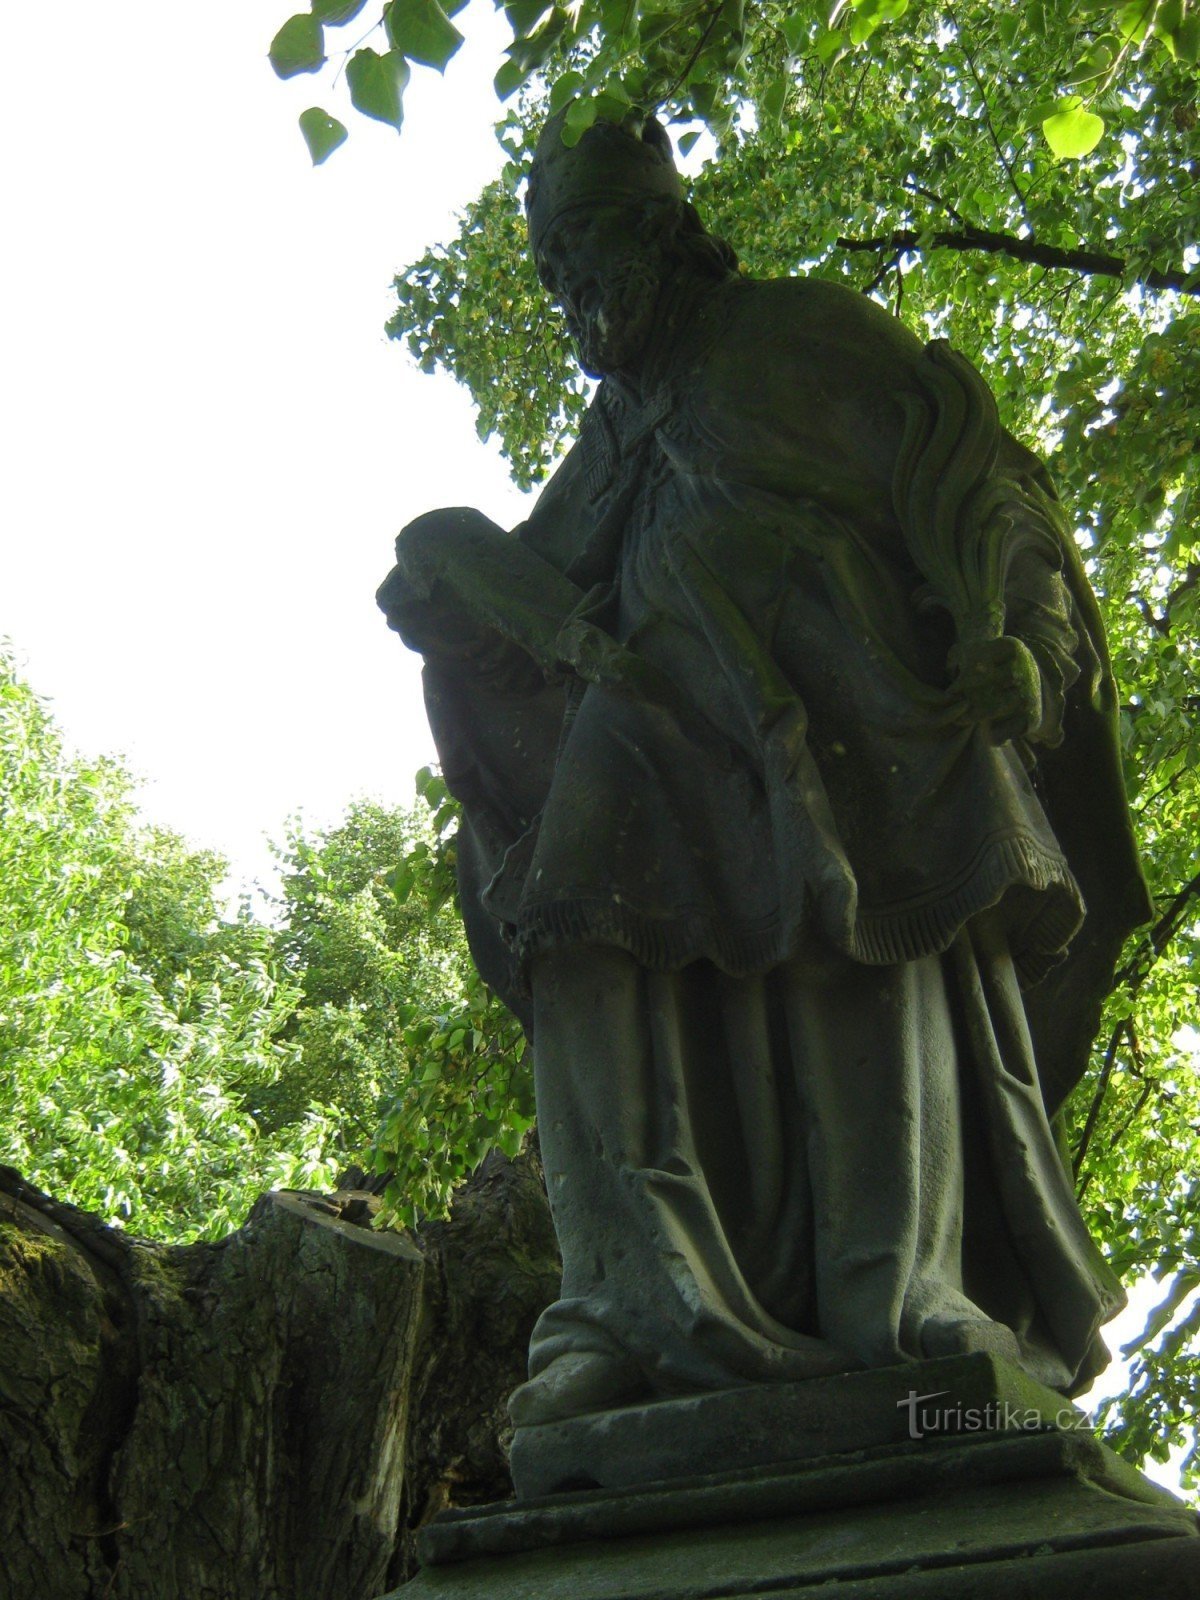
998	683
425	621
449	596
448	633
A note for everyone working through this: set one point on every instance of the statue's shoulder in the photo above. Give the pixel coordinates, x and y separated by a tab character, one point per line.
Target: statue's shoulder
813	318
806	358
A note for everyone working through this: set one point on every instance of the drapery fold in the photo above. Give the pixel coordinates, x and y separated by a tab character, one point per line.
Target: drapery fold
788	1175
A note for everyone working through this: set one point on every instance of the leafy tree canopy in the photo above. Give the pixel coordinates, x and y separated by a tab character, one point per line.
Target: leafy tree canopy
393	1024
164	1063
128	1013
705	60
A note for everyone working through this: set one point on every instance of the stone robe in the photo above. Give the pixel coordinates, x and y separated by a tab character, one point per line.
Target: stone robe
766	896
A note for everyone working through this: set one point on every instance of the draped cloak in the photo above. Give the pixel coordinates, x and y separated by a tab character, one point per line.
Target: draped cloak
750	750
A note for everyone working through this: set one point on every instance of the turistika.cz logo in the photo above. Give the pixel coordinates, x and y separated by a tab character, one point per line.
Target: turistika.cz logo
997	1416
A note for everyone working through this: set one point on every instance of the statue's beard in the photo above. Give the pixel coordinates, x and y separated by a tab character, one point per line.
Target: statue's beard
613	326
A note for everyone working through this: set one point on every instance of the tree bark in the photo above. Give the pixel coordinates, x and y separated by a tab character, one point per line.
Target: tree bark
269	1417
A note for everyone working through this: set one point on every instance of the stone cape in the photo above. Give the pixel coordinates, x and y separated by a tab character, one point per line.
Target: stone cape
815	788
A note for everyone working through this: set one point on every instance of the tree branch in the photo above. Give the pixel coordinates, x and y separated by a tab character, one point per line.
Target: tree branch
993	135
1094	263
1153	943
1185	585
696	53
1161	623
1089	1126
914	187
885	271
1132	976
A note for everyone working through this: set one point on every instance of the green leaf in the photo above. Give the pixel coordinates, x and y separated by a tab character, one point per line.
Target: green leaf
687	142
614	89
564	88
655	24
508	80
322	133
861	28
1135	20
299	46
616	16
1167	18
1073	132
334	12
536	50
635	79
774	97
1094	64
422	31
1039	110
612	103
580	116
400	881
1187	40
796	30
377	83
524	15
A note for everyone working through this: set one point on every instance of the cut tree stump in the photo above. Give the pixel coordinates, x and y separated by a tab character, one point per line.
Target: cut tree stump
270	1416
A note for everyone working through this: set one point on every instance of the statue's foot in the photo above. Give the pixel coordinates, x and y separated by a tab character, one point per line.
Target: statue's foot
946	1336
573	1385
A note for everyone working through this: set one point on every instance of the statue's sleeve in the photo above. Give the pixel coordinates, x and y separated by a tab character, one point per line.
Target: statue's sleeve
984	527
1039	612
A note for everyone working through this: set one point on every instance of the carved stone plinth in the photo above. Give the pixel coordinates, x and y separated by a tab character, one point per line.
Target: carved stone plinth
1029	1508
765	1424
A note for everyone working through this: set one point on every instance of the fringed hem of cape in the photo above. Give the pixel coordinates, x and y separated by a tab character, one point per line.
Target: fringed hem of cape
923	926
928	926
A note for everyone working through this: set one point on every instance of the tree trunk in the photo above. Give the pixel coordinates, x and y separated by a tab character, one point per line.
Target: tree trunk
270	1417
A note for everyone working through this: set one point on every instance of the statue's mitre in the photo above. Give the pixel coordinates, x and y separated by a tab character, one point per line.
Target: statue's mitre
613	163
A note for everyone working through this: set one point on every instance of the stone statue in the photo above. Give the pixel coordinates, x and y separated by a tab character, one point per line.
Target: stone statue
794	830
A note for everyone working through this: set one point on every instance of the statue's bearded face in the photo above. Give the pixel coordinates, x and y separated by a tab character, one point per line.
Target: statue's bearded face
604	266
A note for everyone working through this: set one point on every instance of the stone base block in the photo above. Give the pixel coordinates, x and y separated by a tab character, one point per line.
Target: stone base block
739	1429
1035	1515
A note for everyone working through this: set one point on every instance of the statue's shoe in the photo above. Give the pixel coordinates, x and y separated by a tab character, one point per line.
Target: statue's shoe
573	1385
946	1336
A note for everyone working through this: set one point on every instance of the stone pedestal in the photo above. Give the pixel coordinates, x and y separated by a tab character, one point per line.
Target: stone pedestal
764	1424
999	1494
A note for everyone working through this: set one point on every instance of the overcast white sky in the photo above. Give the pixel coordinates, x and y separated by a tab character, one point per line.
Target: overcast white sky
209	444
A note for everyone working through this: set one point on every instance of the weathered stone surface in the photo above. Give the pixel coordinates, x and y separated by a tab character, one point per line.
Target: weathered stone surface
742	720
758	1425
896	1472
1156	1569
1029	1514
